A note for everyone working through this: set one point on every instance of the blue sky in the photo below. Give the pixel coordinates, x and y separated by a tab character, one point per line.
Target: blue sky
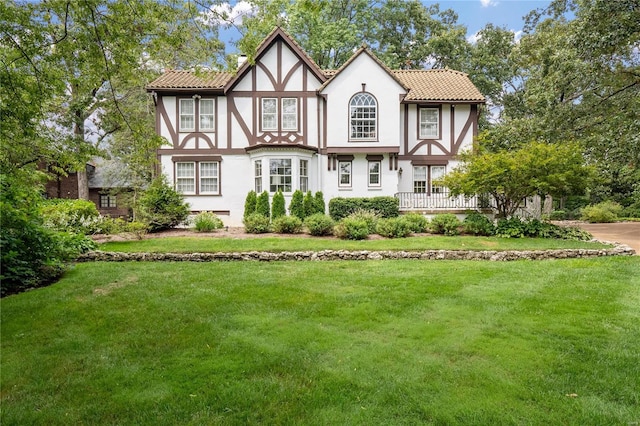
474	14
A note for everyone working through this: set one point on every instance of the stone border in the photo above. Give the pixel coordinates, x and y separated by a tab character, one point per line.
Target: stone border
324	255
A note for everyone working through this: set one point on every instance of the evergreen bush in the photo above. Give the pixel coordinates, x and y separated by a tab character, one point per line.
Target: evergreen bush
319	204
277	207
417	222
308	204
447	224
162	207
250	203
262	205
395	227
383	206
352	228
295	208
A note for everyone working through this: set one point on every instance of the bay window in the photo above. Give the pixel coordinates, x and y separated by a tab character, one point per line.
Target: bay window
280	177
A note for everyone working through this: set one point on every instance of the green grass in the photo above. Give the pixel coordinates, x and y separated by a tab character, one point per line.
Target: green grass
279	244
357	343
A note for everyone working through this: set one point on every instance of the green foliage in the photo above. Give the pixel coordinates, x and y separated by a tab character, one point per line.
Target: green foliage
475	223
352	228
558	215
110	225
287	225
207	222
77	216
447	224
605	212
295	208
250	203
319	224
256	223
385	207
395	227
308	204
512	175
319	204
278	208
162	207
417	222
136	228
515	227
369	216
70	245
262	205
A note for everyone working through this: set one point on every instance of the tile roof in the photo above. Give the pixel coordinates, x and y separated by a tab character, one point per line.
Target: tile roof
438	85
184	80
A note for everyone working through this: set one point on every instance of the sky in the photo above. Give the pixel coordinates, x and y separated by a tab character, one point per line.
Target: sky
474	14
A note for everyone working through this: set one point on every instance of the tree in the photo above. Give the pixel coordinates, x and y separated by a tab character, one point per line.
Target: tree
162	207
262	205
318	203
250	203
295	208
278	208
511	176
308	204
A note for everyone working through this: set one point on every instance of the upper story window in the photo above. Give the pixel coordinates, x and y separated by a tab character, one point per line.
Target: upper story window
187	115
429	123
363	113
269	114
207	114
204	109
288	114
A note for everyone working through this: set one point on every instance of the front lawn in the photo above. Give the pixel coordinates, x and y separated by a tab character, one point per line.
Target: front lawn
372	342
208	244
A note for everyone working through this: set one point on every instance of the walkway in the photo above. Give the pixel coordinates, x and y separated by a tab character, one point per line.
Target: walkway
623	232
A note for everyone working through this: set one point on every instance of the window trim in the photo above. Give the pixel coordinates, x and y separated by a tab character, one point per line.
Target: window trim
257	176
303	187
351	119
192	178
283	185
109	199
429	187
422	136
201	177
200	115
197	178
349	174
192	115
295	115
262	113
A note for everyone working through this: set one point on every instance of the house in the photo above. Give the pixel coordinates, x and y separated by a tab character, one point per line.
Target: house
283	123
108	198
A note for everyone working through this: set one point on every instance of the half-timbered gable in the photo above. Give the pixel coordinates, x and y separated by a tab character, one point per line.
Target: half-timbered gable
281	123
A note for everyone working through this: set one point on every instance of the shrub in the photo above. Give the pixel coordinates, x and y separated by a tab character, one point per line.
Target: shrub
477	224
256	223
287	225
250	203
308	204
319	224
71	245
161	206
278	209
110	225
77	216
417	222
510	228
446	224
558	215
136	228
318	203
262	205
395	227
295	208
605	212
369	216
383	206
352	228
207	222
632	210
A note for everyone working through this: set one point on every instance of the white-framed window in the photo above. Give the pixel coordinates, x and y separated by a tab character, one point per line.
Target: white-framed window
257	173
280	176
437	172
107	201
269	114
420	179
304	175
209	177
289	114
187	115
429	123
363	113
424	177
186	178
207	115
344	173
375	173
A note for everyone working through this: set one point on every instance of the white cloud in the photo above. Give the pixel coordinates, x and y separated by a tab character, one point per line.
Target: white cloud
487	3
226	15
473	38
517	35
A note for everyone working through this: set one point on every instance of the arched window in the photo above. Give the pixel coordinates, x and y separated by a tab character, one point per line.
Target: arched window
363	110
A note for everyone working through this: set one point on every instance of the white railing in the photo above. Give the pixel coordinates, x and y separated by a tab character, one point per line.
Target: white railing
436	201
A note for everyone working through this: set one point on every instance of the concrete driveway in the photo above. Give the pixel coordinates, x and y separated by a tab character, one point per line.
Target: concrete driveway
622	232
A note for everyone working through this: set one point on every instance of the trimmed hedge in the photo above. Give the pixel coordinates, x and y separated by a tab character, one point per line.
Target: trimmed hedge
384	207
